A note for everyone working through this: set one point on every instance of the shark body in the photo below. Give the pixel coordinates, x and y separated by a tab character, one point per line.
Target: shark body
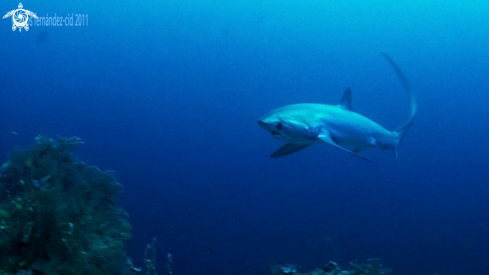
301	125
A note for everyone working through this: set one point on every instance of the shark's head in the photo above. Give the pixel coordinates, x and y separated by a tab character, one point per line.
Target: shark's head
283	127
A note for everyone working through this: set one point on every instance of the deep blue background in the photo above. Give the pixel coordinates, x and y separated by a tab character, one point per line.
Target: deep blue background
168	93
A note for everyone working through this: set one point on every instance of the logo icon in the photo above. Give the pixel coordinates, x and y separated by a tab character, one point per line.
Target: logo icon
20	18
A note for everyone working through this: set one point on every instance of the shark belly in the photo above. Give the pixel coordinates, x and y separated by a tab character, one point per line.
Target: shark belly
352	129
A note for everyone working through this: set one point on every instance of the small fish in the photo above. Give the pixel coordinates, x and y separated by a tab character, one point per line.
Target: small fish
211	250
13	133
42	37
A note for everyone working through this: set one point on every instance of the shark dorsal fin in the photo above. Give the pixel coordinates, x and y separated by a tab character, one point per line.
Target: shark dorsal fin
346	100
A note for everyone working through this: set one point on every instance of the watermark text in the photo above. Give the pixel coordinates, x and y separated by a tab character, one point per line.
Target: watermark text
72	20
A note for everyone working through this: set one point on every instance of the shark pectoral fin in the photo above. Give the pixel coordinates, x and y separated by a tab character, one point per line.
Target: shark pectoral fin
288	149
327	138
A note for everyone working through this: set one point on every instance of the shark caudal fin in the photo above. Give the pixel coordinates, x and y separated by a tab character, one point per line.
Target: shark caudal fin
399	134
401	131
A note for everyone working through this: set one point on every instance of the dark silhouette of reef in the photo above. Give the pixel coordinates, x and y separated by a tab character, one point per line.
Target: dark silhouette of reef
371	267
59	215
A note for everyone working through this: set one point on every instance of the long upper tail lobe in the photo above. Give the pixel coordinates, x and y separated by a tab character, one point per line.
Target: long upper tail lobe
401	131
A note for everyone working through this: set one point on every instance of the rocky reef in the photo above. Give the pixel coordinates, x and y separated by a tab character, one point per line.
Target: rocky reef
59	215
371	267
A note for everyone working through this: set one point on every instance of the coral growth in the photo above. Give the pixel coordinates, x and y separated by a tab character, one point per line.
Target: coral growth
59	215
150	261
371	267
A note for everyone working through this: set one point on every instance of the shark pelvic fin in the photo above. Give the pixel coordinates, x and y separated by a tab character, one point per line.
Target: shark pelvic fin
287	149
346	100
326	137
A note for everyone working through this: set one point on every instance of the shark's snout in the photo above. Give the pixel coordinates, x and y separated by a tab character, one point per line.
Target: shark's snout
268	128
262	124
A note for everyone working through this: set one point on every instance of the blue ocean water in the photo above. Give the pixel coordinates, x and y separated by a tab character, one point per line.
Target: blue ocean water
168	94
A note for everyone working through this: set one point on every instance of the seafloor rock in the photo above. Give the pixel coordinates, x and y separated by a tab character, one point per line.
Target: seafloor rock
371	267
59	215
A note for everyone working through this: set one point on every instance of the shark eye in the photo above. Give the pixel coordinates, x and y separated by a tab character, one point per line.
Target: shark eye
279	125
